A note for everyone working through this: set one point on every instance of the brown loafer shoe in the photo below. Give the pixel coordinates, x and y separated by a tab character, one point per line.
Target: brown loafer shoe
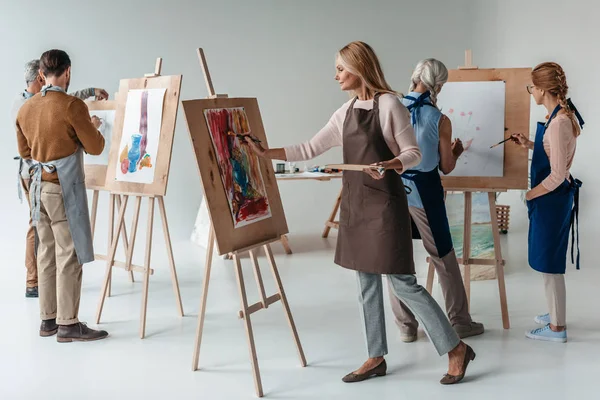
379	370
78	332
48	327
452	379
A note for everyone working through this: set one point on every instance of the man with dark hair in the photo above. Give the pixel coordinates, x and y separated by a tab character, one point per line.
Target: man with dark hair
53	130
34	81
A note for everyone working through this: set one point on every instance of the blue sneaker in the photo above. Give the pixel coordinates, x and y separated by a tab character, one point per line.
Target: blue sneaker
547	335
543	319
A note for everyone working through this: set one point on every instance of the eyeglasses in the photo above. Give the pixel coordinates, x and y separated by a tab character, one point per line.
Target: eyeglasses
530	89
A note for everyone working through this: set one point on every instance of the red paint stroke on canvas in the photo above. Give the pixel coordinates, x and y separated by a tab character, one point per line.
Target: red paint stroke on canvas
238	166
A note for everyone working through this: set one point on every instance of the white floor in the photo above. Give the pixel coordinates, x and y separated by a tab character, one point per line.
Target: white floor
323	301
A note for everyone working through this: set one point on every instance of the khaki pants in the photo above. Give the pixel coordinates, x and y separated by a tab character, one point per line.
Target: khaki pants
449	277
58	269
30	261
556	297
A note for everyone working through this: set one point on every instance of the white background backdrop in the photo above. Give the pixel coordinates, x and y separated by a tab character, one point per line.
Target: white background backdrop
282	52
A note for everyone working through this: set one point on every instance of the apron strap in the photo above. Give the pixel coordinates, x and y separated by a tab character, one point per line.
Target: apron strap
576	183
19	188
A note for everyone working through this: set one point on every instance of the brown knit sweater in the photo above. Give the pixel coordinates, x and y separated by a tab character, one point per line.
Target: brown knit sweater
53	126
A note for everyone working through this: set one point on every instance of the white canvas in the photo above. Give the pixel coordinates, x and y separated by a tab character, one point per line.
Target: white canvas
106	129
131	165
476	110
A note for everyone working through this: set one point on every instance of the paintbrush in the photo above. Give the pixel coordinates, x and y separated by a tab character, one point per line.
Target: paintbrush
499	143
242	137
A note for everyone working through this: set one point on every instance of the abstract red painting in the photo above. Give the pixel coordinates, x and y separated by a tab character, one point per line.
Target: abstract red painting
238	166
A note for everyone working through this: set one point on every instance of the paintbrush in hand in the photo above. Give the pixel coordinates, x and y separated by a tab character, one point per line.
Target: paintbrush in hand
242	137
499	143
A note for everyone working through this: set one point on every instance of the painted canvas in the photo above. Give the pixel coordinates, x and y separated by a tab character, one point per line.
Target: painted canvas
238	166
107	117
476	110
482	238
140	138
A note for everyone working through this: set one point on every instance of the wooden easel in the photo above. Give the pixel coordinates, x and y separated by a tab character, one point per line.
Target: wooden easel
246	309
466	259
114	242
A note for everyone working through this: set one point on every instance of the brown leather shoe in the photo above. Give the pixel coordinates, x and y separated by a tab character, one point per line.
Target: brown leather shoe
48	327
78	332
452	379
379	370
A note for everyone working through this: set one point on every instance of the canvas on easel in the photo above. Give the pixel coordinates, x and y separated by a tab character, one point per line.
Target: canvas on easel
240	188
138	167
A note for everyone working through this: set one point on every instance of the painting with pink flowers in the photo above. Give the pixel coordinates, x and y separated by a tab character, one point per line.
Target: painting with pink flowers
476	110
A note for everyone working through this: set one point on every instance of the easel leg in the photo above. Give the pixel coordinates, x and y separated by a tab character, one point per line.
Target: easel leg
202	313
499	262
94	211
111	231
134	225
430	278
147	266
286	306
248	325
174	280
467	245
332	216
123	233
110	259
286	244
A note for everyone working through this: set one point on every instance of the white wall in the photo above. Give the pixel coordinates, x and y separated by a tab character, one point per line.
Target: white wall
511	33
280	51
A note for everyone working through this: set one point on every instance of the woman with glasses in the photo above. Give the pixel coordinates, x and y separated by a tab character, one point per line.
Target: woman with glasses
553	201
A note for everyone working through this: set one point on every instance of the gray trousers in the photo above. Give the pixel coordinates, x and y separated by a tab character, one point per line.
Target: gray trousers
405	287
449	277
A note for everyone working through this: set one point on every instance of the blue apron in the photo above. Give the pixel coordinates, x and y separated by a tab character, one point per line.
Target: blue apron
552	215
431	192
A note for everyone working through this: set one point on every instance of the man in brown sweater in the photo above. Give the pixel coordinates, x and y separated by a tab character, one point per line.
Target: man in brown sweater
52	129
35	82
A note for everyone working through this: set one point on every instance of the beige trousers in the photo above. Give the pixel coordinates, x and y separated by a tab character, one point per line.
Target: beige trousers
58	270
30	262
556	297
449	277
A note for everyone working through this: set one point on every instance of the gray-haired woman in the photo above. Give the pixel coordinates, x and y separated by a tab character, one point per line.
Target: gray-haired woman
426	199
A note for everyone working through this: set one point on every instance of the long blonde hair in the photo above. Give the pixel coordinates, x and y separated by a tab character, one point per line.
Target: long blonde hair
550	76
433	74
360	59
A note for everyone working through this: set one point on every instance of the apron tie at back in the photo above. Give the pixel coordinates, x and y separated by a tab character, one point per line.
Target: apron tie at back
35	188
417	104
576	183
